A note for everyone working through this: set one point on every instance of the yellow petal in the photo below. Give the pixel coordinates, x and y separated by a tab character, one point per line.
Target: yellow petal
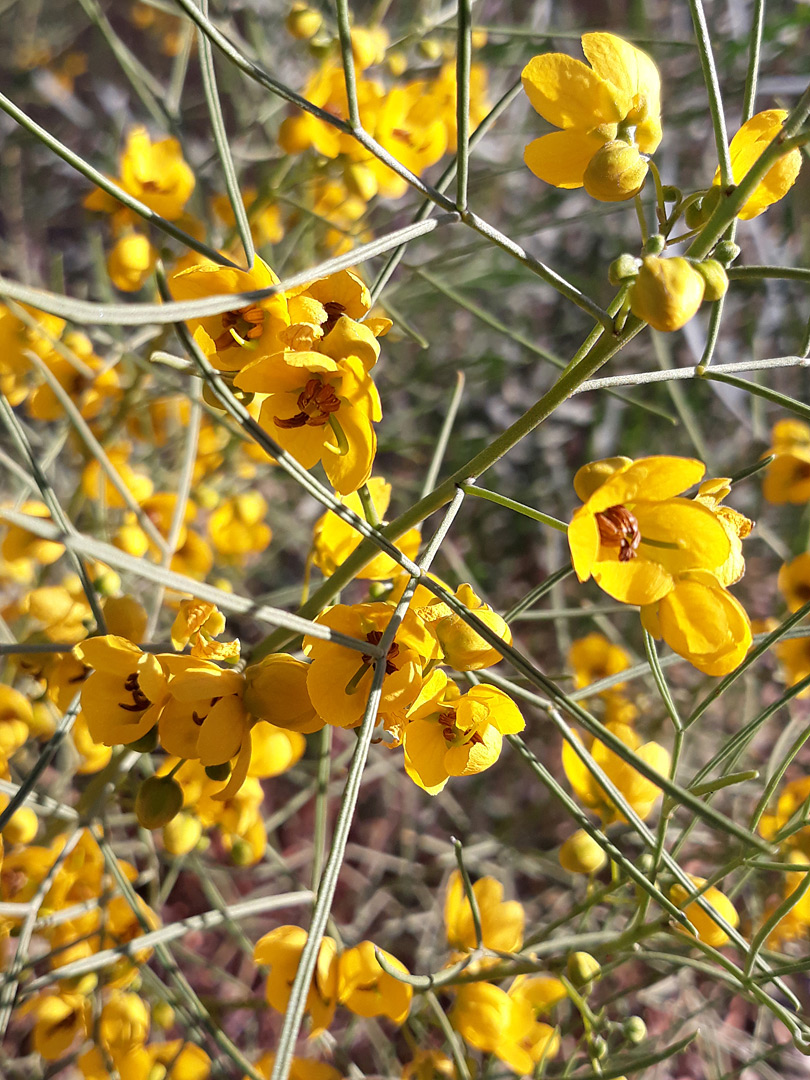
569	94
562	157
629	69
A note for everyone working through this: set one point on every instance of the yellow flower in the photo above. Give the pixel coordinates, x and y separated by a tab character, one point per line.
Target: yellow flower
702	622
616	98
747	147
319	409
131	261
302	21
123	696
300	1068
787	479
793	797
334	539
90	394
233	338
368	46
429	1065
450	734
181	1060
124	1022
204	716
274	750
641	793
708	930
96	483
367	990
794	656
794	581
633	536
502	920
281	951
666	293
18	337
339	679
276	691
264	218
492	1021
594	657
237	526
59	1020
156	173
199	622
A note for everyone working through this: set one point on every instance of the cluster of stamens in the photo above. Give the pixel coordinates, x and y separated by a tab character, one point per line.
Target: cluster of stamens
618	527
139	699
373	637
247	323
316	402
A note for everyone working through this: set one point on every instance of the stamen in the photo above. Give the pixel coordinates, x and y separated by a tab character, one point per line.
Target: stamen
618	527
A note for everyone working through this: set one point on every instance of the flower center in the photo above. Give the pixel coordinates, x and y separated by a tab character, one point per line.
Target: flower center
140	701
239	327
333	310
373	638
452	734
618	527
316	401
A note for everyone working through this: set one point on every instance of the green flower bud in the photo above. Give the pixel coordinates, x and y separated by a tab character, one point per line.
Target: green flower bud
635	1030
616	172
158	800
302	22
241	853
583	969
666	293
218	772
671	193
580	854
715	278
694	215
655	244
599	1047
623	269
726	252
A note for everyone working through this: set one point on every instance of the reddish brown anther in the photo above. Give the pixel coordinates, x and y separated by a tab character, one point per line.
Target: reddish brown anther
373	637
316	401
618	527
248	324
139	699
334	309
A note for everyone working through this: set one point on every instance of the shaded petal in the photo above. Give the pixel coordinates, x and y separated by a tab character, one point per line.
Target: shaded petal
425	747
347	472
702	541
650	479
562	157
635	582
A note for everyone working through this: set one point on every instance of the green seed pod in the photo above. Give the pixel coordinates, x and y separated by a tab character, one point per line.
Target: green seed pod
616	172
694	215
583	969
712	272
623	269
158	800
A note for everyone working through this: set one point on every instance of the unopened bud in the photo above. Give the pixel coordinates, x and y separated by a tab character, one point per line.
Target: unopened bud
655	244
715	277
635	1030
163	1015
693	215
241	853
599	1047
583	969
623	269
302	22
182	834
580	854
159	799
726	252
616	172
666	293
670	193
430	49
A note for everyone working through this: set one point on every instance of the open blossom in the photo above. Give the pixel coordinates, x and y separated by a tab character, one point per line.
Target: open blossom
502	921
613	105
123	696
787	479
634	535
153	172
747	147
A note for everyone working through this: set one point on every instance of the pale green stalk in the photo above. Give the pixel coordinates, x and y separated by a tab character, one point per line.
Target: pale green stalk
704	45
444	436
518	507
463	63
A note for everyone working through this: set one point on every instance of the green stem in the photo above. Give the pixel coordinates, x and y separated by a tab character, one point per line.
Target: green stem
704	45
463	63
511	504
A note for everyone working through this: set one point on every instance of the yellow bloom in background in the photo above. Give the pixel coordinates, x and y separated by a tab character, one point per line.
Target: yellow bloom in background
18	337
281	951
91	386
641	793
666	293
339	679
274	750
794	581
794	657
265	218
787	479
96	484
747	147
237	526
300	1068
367	990
199	622
617	98
429	1065
334	539
60	1019
156	173
701	621
18	543
276	691
594	657
791	800
368	46
180	1060
131	261
234	338
123	696
452	734
580	854
711	493
502	921
709	932
124	1022
633	535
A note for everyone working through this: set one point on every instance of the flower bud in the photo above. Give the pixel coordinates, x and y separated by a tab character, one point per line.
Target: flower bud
302	22
21	827
131	262
623	269
655	244
580	854
670	193
430	49
241	853
635	1030
726	252
583	969
464	648
666	293
158	800
615	172
599	1047
182	834
715	278
694	216
163	1015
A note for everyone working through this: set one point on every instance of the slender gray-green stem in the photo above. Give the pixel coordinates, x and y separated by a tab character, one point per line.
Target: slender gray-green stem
754	49
463	63
347	58
704	44
670	374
